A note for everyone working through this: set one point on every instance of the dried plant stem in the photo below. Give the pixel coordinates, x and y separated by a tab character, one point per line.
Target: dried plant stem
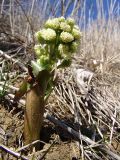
2	6
29	145
3	54
68	129
14	153
9	86
30	14
43	156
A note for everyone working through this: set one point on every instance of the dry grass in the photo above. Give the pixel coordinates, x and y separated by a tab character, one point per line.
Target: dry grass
98	111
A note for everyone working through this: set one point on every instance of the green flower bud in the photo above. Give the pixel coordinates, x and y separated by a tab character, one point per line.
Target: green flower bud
43	60
61	19
70	21
66	37
38	37
39	50
63	50
52	23
76	33
73	47
65	27
47	34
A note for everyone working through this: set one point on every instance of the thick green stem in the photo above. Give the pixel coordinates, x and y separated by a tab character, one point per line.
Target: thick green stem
34	111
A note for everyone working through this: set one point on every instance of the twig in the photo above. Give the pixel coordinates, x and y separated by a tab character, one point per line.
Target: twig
29	23
112	154
27	18
15	154
9	86
43	156
3	54
11	96
29	145
68	129
112	129
2	4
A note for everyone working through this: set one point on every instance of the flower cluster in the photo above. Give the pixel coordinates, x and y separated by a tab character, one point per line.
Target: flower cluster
57	42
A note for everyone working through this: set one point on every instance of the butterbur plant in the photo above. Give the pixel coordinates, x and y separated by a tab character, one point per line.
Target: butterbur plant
56	43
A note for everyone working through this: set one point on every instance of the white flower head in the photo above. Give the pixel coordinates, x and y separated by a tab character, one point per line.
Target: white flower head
61	19
76	33
65	27
57	41
52	23
70	21
47	34
66	37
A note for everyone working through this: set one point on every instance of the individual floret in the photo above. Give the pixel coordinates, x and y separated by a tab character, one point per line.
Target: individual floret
66	37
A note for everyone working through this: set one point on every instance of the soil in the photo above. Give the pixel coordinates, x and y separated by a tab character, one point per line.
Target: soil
57	144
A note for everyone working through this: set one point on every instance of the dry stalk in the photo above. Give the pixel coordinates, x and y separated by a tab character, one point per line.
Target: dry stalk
14	153
29	145
3	54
